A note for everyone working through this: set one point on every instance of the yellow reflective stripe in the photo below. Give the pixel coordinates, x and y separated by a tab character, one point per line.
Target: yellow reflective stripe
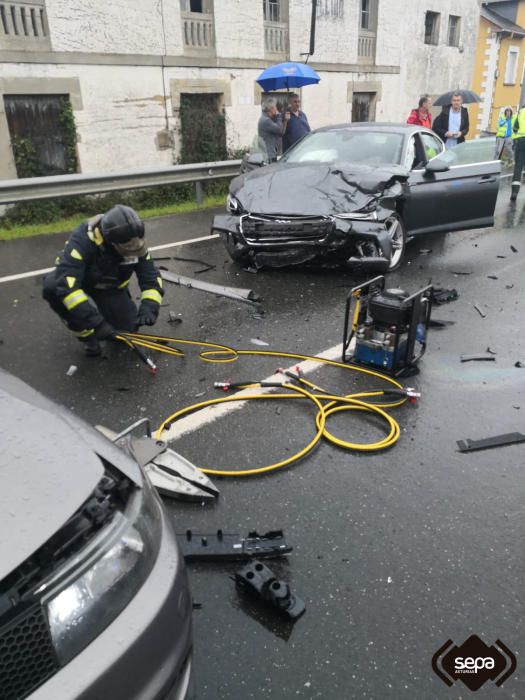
148	257
84	334
57	259
95	236
151	294
71	281
123	284
75	254
74	299
159	281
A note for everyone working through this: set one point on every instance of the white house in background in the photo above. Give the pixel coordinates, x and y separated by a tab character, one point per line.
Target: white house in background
125	64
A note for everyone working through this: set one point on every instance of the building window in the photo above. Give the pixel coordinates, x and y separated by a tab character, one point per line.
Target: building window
272	10
511	68
454	23
431	27
364	106
330	8
365	14
203	6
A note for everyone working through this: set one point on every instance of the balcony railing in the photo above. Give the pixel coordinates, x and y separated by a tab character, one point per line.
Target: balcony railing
197	31
366	47
276	38
23	25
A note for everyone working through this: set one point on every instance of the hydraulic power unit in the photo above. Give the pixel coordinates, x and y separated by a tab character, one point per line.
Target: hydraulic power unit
389	326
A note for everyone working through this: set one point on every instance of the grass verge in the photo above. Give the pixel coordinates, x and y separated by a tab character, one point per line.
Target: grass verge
66	225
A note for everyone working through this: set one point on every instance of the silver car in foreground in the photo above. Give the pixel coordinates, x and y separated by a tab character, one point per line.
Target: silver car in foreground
94	598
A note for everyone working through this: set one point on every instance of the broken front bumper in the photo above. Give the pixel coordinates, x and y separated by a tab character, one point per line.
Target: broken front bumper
273	241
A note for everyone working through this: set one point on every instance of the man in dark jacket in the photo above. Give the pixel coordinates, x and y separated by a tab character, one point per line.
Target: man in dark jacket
452	124
88	288
297	125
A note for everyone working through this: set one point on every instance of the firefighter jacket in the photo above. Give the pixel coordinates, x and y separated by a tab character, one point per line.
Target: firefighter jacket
518	126
89	266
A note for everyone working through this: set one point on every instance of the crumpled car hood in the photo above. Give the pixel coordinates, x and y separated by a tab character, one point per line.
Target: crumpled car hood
314	189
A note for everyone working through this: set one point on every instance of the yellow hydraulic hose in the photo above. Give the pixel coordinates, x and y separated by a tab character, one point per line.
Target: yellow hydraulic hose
327	404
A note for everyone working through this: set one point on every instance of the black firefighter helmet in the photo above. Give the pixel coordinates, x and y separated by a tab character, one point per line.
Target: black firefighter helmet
124	229
120	224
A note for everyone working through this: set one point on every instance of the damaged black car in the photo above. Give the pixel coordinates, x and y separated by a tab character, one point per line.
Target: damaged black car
354	194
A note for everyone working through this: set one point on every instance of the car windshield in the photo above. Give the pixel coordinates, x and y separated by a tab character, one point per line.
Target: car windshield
480	150
348	145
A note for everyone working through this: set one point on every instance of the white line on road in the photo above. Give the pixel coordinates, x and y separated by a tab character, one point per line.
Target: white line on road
197	420
44	271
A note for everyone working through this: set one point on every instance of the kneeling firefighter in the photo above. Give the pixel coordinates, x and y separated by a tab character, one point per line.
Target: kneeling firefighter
88	288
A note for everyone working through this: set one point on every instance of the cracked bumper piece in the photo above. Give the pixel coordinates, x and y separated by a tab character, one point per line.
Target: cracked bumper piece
278	241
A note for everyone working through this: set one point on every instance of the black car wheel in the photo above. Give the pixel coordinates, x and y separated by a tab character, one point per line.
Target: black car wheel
398	236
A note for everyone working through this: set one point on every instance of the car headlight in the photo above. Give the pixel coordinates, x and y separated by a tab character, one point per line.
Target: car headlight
87	605
233	205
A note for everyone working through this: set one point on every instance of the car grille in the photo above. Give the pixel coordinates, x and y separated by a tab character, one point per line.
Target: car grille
279	230
27	656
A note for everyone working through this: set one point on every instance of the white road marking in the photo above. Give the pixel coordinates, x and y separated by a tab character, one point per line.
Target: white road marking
209	414
44	271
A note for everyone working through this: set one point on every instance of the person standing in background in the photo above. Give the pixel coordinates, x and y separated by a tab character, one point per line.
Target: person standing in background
298	123
452	124
271	128
504	140
421	116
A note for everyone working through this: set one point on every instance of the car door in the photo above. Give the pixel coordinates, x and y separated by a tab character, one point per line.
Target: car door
455	190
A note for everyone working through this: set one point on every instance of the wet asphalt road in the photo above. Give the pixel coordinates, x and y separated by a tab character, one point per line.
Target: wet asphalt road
394	552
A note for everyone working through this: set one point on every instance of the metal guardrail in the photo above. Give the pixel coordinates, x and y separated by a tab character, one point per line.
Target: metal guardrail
30	188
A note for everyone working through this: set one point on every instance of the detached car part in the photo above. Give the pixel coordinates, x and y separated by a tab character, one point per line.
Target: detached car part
469	445
221	546
257	579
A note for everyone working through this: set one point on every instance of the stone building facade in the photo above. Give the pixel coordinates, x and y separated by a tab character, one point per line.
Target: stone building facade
125	64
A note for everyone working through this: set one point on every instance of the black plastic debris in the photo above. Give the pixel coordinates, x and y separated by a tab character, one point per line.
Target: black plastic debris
480	311
207	266
492	277
519	364
469	445
509	286
514	250
502	257
492	352
226	547
461	272
257	579
481	356
443	296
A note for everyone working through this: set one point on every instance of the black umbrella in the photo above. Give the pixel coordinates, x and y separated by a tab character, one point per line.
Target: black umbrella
466	95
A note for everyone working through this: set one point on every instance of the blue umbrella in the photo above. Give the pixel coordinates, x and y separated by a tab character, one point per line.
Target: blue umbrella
287	75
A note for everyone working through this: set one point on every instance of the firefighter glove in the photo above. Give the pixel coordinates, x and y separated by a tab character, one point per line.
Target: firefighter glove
105	331
148	312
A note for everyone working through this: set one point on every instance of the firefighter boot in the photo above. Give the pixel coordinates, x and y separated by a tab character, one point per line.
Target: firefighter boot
514	192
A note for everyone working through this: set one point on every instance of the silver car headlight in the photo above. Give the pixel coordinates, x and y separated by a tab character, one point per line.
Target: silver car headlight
233	205
110	578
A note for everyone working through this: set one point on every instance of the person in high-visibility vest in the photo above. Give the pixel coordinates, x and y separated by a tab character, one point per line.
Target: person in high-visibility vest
518	134
88	288
504	141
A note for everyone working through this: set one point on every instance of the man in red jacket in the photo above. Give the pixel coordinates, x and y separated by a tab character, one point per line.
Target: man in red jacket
421	116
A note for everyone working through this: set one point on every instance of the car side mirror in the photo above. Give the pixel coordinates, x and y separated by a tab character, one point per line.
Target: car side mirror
437	166
256	160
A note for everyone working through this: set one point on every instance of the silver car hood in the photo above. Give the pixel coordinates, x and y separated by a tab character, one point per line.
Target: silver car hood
49	465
